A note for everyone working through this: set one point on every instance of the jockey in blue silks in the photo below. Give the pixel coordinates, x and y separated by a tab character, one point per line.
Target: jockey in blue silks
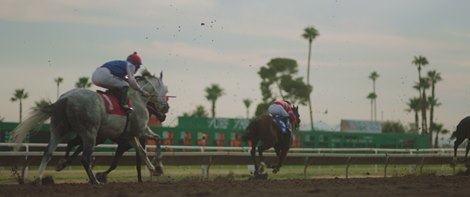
283	113
117	75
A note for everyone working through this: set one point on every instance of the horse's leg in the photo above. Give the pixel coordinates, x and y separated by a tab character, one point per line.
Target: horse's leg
149	134
281	156
123	146
138	163
134	142
88	146
277	150
68	160
457	142
283	147
467	149
261	148
51	146
253	156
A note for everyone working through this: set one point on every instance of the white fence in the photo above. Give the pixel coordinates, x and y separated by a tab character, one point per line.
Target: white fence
209	155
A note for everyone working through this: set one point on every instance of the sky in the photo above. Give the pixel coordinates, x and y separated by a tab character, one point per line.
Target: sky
204	42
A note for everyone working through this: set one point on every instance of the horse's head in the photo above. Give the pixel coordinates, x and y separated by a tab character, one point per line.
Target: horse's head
153	111
157	90
295	109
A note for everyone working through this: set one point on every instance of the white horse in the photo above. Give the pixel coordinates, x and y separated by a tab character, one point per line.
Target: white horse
82	112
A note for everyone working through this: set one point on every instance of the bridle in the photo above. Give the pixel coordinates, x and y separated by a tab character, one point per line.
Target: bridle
155	93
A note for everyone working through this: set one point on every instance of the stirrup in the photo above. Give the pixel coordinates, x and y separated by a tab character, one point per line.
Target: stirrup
127	109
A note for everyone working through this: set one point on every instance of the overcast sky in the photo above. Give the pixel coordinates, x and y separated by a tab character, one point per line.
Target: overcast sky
201	42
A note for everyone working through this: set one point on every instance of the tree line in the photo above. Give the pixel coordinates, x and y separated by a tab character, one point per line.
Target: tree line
280	80
421	105
21	94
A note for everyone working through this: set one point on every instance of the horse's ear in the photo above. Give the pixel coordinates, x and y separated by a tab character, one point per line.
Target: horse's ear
161	75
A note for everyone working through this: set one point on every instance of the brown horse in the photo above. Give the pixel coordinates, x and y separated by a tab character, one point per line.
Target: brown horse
462	133
264	133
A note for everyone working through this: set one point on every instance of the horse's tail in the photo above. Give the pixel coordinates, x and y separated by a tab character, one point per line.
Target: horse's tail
40	113
248	132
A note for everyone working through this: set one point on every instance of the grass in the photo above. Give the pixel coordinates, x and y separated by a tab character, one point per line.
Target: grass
74	174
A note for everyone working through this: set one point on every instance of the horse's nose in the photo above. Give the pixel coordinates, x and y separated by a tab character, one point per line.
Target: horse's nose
165	108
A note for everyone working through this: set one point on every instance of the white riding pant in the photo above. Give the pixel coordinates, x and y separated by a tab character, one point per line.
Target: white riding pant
276	109
102	77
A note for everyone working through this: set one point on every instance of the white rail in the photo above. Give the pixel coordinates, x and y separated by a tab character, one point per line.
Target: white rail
434	151
208	155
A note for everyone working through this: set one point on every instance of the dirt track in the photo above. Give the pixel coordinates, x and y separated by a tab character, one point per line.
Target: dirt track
396	186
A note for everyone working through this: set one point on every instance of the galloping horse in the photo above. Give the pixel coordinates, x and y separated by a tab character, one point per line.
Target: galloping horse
462	133
123	146
264	133
82	112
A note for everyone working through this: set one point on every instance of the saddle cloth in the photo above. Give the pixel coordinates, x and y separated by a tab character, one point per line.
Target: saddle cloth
111	103
283	128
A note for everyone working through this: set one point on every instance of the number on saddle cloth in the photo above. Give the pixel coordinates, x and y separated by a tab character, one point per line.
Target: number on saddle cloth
111	102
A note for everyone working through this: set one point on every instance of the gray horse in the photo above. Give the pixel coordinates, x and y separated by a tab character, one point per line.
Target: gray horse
81	112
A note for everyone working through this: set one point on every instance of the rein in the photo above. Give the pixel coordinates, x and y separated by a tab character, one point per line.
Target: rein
155	94
148	99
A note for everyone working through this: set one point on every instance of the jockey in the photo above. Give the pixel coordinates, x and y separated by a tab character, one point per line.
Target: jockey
282	112
117	75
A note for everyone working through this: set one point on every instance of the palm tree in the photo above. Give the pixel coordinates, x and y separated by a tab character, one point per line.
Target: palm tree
58	81
213	92
83	83
247	103
373	76
423	85
19	95
372	97
310	33
419	62
434	77
200	111
439	129
414	106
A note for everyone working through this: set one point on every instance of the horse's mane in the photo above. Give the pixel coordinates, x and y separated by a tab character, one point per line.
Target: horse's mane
144	73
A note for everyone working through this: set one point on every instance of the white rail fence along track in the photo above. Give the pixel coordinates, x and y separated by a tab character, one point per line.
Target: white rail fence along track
206	156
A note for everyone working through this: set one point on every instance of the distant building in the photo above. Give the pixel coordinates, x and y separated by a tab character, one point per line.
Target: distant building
362	126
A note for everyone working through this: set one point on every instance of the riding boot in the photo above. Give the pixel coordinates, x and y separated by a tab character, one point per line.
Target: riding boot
122	98
288	126
282	125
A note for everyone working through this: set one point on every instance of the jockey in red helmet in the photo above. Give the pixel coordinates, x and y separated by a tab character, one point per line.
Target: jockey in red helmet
117	76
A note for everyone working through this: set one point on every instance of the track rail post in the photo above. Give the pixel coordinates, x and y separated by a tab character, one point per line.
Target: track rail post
348	162
387	159
306	164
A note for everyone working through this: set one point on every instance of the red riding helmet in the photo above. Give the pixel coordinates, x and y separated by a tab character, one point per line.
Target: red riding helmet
134	59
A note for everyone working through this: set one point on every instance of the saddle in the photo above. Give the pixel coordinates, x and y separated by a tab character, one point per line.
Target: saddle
111	103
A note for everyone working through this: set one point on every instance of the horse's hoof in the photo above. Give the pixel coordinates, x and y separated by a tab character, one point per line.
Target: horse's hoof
261	176
261	168
275	170
61	165
467	165
102	177
96	182
158	171
48	180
